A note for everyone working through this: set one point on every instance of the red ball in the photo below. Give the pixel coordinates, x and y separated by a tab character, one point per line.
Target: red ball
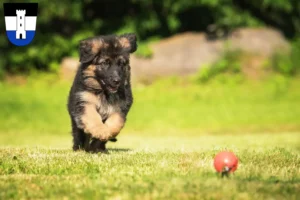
225	161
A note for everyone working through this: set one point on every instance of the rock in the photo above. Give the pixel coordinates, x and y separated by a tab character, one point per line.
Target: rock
179	55
186	53
260	41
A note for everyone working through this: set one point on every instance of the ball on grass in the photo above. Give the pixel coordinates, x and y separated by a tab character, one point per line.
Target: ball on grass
225	162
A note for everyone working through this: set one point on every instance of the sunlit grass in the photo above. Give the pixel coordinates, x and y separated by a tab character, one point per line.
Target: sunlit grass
166	106
156	168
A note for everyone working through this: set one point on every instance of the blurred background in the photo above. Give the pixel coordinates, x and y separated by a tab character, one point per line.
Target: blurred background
202	67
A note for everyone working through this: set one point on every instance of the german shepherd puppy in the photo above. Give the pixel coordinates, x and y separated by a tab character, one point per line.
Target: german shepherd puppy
101	96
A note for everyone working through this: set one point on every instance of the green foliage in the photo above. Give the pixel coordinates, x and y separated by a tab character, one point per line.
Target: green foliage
287	63
1	69
61	24
229	63
283	64
144	49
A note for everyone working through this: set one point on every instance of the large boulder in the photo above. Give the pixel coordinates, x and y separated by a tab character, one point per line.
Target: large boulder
186	53
180	54
259	41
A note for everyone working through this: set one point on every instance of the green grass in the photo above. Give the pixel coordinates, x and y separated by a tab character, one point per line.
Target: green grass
156	168
166	150
168	106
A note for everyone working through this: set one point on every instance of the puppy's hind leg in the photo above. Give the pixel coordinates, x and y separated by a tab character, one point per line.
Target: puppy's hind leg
79	137
98	146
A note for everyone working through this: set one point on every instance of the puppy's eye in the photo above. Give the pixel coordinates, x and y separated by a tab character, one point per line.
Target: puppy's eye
121	62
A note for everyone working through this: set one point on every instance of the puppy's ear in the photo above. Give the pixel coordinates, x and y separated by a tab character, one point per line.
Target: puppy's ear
128	42
89	48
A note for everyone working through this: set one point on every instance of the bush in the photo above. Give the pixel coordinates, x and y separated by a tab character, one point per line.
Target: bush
229	63
287	63
144	49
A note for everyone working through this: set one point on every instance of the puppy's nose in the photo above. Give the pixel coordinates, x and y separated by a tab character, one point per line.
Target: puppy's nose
116	81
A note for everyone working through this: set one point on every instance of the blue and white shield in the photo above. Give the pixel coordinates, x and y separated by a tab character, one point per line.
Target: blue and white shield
20	22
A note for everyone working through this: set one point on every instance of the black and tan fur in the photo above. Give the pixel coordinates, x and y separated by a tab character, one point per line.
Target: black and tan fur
101	96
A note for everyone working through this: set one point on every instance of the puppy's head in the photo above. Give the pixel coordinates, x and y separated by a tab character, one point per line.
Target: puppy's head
110	57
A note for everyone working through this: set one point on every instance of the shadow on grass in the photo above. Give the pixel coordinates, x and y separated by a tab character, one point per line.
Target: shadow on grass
119	149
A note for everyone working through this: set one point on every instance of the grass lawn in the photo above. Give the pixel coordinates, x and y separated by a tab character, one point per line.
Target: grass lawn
156	168
166	150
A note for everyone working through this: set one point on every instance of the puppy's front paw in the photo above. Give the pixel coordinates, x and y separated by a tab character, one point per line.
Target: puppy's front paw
103	133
